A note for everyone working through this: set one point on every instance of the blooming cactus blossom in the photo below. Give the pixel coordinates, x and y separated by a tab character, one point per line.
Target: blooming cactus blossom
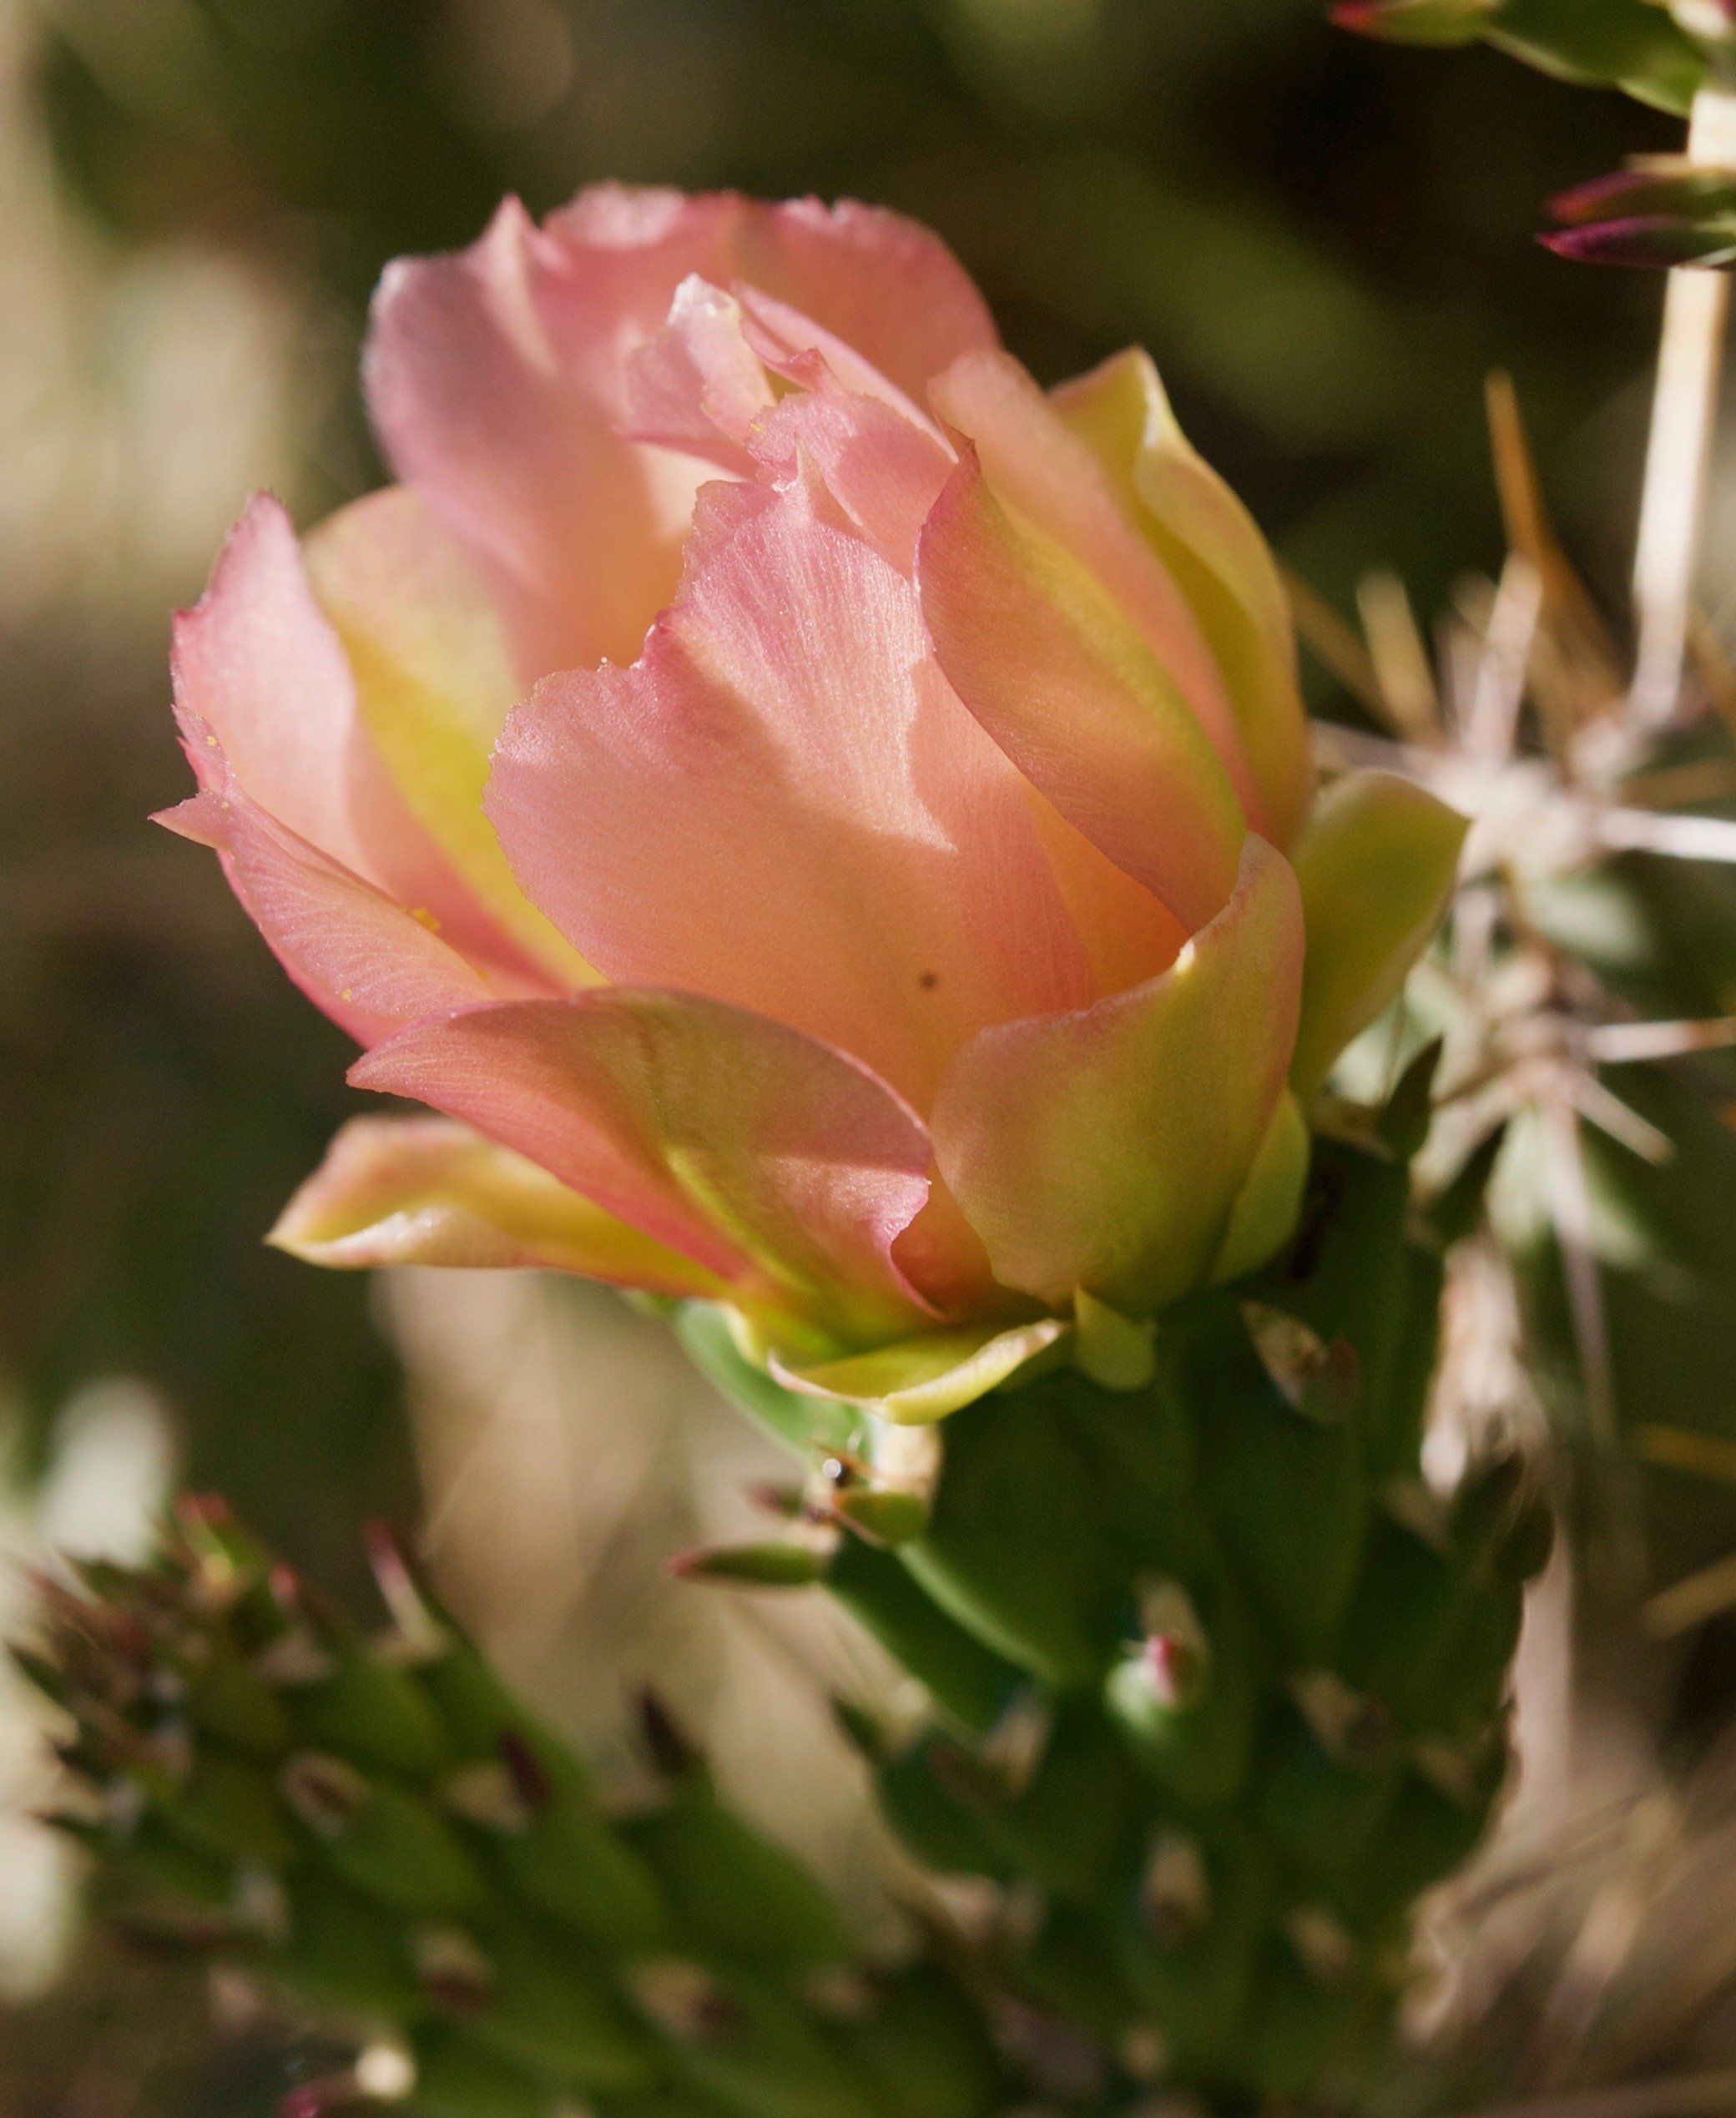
827	826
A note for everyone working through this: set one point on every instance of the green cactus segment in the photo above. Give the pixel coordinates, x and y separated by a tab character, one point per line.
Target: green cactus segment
1216	1687
1238	1698
1635	45
377	1829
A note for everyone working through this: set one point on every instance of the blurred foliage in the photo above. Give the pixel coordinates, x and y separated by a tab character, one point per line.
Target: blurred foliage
164	1088
1325	243
1645	46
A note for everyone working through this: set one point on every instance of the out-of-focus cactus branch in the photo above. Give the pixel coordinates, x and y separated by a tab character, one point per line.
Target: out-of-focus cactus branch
375	1829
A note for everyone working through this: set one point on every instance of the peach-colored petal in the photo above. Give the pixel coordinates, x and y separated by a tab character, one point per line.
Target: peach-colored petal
880	475
942	1256
369	963
869	278
701	384
793	345
1047	477
1058	675
1106	1149
784	805
434	684
263	674
494	377
777	1164
1129	934
427	1191
1213	549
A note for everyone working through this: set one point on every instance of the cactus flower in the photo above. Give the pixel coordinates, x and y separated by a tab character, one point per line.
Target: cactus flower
826	826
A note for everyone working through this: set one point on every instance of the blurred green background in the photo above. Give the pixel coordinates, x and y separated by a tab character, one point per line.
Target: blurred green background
1325	244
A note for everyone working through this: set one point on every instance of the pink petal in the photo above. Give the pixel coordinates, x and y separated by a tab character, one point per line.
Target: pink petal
498	376
792	345
259	669
868	277
1057	673
882	473
775	1162
784	805
495	376
1107	1149
884	285
1046	475
701	384
370	964
696	384
425	1191
267	704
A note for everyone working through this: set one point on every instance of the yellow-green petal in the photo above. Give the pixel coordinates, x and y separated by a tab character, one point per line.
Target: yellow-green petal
1265	1212
1214	550
1115	1351
920	1380
435	685
426	1191
1376	865
1068	685
1106	1149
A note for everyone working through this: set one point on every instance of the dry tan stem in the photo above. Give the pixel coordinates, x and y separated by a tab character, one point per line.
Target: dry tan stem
1684	410
1685	2096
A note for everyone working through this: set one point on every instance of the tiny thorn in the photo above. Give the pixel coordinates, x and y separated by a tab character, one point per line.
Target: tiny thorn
204	1510
421	1633
762	1566
865	1732
1320	1381
672	1751
781	1497
1404	1122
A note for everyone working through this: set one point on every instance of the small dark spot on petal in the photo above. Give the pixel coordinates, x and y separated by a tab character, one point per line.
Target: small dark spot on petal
929	980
